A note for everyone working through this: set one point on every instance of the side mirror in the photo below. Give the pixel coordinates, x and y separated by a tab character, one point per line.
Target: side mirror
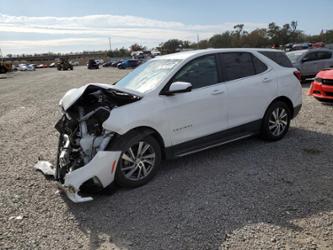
179	87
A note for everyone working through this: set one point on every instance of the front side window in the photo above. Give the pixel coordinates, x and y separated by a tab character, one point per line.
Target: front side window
313	56
200	72
237	65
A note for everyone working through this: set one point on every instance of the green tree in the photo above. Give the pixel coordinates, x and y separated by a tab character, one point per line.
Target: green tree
136	47
171	46
223	40
256	39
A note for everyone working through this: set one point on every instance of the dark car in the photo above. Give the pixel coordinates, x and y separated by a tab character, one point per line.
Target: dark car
129	64
301	46
108	64
63	64
115	64
92	64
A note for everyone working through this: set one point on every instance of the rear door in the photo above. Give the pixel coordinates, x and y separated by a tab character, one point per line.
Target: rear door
310	64
325	59
250	85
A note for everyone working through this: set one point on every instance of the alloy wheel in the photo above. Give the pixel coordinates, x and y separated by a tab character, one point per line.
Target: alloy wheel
278	121
138	161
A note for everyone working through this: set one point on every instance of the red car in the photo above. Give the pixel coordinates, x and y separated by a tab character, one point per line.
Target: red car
322	86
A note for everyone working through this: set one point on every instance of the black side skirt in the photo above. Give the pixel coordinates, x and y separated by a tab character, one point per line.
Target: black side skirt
213	140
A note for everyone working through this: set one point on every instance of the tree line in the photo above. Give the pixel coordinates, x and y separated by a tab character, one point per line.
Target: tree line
272	36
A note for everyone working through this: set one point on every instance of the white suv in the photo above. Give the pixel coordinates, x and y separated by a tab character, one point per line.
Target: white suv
169	107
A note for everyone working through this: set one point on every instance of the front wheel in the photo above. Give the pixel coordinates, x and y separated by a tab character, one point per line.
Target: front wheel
139	161
276	121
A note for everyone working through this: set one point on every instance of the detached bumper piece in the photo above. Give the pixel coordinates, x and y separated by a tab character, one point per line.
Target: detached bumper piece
102	167
46	168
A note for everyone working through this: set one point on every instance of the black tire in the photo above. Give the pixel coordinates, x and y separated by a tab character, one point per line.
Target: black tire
132	140
275	131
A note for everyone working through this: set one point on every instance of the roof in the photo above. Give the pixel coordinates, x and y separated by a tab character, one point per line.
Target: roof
188	54
306	50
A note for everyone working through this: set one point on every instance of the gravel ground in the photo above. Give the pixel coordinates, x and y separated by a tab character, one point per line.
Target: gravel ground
246	195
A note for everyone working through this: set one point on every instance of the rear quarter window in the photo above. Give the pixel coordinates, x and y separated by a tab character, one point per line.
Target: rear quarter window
278	57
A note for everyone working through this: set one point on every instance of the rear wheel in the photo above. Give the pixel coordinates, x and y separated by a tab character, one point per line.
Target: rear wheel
276	121
139	160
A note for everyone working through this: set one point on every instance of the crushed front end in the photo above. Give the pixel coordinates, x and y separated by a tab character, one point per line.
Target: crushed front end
83	157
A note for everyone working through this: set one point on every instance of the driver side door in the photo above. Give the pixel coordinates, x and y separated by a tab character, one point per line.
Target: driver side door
202	111
310	64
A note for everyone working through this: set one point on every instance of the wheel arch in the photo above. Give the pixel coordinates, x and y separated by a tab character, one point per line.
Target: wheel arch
144	131
285	100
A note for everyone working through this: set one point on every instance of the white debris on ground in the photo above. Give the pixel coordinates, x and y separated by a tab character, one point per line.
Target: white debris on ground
19	217
45	167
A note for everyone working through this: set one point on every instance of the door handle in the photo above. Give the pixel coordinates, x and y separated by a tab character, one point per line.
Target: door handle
217	92
266	79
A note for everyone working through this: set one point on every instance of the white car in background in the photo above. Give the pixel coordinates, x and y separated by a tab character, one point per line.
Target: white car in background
25	67
172	106
76	63
99	61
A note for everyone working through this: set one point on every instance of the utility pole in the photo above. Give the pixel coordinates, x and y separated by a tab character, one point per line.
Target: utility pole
198	40
110	43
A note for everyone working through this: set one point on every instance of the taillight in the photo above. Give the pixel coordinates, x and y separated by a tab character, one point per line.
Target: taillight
298	75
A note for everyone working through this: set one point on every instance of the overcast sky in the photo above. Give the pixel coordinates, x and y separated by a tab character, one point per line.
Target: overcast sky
28	26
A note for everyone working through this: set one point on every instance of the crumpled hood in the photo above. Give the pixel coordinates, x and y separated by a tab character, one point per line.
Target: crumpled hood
73	95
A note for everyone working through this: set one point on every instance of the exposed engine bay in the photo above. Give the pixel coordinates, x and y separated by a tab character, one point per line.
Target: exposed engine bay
81	132
83	140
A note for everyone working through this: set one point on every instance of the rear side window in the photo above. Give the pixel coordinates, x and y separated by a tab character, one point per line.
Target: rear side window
237	65
259	65
324	55
200	72
278	57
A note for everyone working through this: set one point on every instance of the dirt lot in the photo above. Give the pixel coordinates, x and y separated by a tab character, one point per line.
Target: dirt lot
247	195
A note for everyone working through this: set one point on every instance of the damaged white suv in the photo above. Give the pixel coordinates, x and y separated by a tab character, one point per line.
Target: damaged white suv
169	107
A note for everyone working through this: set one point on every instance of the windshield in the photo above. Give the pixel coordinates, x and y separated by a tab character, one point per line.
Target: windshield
293	56
148	76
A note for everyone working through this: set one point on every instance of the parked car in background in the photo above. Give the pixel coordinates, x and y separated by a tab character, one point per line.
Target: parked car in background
25	67
107	64
115	64
322	86
22	67
76	63
301	46
201	99
310	62
31	67
99	61
92	64
318	45
63	64
52	65
132	63
41	66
